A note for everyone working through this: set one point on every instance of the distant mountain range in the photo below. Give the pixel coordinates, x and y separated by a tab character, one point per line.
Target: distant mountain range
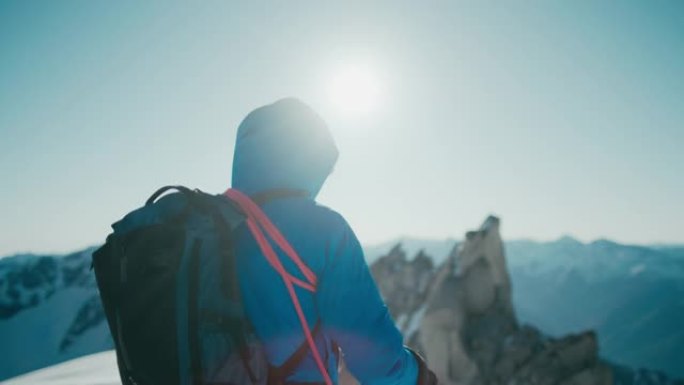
633	296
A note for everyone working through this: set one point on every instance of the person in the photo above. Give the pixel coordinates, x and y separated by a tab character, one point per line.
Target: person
285	150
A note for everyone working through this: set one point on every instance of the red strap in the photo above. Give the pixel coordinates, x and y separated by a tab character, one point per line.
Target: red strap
248	205
256	220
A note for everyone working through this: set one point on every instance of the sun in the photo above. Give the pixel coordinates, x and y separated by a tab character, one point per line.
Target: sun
355	90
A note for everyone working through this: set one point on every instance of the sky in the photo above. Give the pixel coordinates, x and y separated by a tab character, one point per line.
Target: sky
562	118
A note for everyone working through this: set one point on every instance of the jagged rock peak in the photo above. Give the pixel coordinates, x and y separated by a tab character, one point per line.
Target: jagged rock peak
422	260
464	324
403	283
397	251
491	224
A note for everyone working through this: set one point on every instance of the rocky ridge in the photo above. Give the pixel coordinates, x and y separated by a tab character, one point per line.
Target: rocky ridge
460	316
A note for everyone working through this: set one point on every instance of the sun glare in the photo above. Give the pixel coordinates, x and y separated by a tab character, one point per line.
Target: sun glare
355	90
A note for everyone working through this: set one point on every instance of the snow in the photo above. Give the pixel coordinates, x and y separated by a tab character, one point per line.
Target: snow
414	322
401	320
95	369
31	339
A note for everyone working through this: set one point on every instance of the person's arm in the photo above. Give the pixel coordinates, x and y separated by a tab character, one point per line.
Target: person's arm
356	318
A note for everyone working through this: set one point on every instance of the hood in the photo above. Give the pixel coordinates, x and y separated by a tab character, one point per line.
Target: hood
283	145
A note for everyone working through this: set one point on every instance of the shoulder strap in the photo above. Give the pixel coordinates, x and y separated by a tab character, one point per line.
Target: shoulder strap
277	374
258	222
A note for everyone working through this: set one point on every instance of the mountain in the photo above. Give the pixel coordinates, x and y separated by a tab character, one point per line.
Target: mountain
50	311
460	315
437	249
632	296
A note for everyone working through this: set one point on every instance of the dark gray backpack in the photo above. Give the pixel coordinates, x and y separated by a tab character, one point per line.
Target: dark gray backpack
169	287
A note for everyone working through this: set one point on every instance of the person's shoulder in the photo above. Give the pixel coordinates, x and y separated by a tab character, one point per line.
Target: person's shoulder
340	239
328	217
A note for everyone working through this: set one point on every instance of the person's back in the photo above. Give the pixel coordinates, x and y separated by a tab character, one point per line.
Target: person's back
283	154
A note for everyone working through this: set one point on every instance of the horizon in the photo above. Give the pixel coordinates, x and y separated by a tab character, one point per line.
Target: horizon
558	118
391	241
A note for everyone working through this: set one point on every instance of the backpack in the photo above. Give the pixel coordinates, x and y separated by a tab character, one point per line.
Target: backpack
170	291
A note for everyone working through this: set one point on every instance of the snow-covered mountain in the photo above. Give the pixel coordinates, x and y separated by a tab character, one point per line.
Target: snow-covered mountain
633	297
49	311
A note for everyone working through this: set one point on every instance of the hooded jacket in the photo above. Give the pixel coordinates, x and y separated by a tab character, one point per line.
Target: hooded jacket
287	145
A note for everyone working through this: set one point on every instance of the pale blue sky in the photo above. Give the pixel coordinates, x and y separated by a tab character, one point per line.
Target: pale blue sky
561	117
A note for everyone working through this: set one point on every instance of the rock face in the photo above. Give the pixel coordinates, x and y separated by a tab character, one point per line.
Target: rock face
630	295
461	318
404	285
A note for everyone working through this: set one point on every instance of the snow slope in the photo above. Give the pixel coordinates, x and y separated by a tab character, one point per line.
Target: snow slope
95	369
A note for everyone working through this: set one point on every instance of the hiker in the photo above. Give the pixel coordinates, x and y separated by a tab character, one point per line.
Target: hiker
283	154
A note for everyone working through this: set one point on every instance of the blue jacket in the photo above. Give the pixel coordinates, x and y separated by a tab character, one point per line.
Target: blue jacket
287	145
